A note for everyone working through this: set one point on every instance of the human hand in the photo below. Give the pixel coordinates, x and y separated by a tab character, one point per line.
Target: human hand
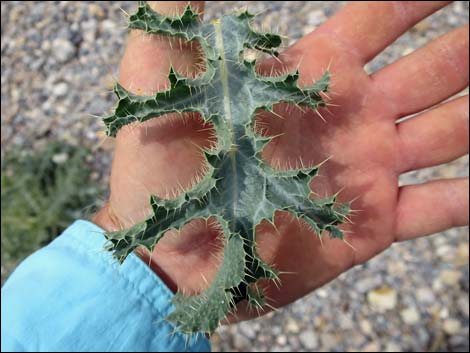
367	150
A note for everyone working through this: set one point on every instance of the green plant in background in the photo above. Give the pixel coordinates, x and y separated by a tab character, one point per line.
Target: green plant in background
42	193
239	189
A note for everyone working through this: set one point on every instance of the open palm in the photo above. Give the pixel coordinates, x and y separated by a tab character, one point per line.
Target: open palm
358	136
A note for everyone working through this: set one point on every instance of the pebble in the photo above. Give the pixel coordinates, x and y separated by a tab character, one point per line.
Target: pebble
277	348
368	283
463	304
60	89
461	258
63	50
421	26
451	326
241	342
292	326
371	347
108	25
425	295
459	343
382	299
346	321
392	347
445	252
89	29
281	340
450	278
329	341
96	10
444	313
366	327
407	51
315	18
410	316
248	330
309	339
60	158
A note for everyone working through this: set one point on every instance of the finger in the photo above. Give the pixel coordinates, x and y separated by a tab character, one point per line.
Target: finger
146	62
436	136
427	76
431	207
161	156
367	28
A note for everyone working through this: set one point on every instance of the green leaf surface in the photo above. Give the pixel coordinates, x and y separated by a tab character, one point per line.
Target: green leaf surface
240	190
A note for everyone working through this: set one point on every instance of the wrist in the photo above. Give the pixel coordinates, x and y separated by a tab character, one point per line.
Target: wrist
105	219
185	260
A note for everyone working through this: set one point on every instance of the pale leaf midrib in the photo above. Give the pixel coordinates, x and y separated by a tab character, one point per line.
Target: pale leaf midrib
219	41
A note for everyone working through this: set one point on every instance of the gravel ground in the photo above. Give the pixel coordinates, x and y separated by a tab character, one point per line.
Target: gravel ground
59	61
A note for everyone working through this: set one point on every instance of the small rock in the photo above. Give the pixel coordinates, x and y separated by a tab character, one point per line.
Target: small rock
328	342
458	7
292	326
459	343
464	305
307	29
392	347
60	158
450	278
276	330
215	339
410	316
108	25
241	342
309	340
451	326
277	348
407	50
89	29
46	106
462	254
15	94
45	45
63	50
94	175
316	18
346	321
421	26
61	109
97	106
444	313
60	89
445	252
356	341
247	329
371	347
368	283
382	299
281	340
397	268
366	327
96	10
425	295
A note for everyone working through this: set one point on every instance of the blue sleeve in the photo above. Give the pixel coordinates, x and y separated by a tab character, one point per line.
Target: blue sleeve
72	296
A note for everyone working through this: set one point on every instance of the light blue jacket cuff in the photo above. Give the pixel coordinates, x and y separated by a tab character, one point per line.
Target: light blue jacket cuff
72	296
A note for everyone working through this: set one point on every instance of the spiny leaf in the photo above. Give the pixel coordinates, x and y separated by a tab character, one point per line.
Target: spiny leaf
239	189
